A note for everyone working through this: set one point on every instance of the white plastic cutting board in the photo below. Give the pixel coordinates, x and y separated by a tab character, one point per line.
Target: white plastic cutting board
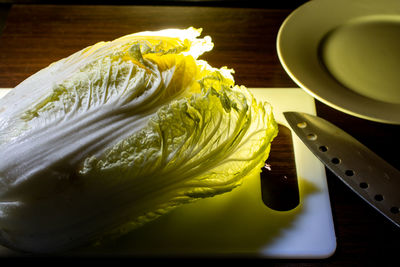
238	223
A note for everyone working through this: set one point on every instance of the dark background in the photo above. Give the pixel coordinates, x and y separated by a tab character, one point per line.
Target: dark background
275	4
225	3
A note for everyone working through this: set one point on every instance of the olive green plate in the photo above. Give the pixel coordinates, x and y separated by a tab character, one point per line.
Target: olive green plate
346	54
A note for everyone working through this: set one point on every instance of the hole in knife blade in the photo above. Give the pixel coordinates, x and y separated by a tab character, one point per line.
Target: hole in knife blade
394	210
363	185
312	136
349	172
323	148
335	161
378	197
302	124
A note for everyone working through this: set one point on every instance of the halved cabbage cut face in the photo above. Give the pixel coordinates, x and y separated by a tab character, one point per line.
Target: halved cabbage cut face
120	133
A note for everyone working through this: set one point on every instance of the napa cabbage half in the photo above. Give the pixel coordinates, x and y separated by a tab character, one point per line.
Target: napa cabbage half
119	133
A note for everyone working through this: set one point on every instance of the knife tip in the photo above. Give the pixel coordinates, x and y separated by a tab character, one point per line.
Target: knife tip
289	115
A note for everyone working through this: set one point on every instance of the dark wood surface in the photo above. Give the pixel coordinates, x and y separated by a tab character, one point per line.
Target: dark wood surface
35	36
245	40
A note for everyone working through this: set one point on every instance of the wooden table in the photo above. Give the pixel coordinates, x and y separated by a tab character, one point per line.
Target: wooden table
245	38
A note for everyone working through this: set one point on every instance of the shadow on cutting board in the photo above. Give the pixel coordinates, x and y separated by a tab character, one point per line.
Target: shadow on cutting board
211	227
238	222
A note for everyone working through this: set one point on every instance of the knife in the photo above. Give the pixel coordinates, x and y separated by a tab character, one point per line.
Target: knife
372	178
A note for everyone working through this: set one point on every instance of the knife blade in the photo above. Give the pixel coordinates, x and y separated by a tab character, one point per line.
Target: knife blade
367	174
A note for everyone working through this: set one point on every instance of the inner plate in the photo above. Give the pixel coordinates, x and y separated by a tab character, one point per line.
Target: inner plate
346	54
